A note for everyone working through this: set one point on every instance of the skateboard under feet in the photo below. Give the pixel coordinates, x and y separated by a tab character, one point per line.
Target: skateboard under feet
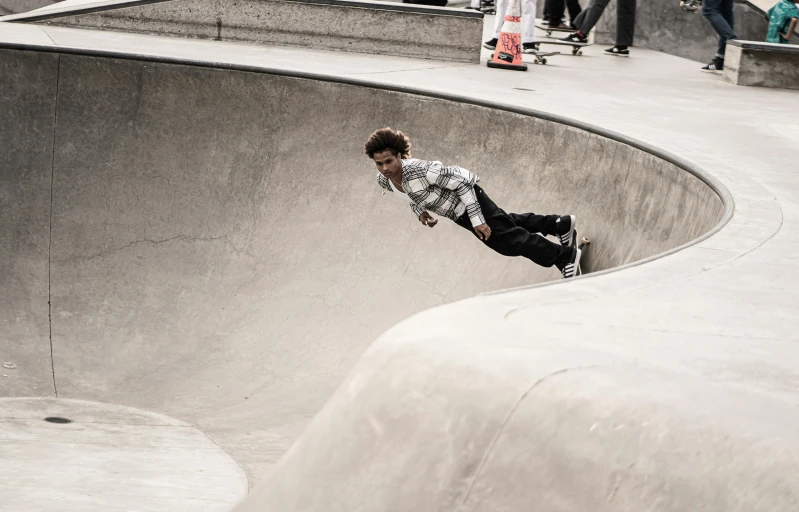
539	56
549	30
582	245
577	48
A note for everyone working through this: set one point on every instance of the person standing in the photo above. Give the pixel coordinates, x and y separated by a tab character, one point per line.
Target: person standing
720	15
528	25
452	192
625	25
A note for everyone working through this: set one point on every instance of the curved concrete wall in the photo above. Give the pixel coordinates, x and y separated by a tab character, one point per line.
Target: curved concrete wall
340	25
214	246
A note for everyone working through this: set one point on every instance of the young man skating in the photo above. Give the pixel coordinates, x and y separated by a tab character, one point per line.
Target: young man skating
452	192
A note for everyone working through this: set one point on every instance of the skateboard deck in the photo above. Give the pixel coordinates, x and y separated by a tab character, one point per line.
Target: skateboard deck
577	48
582	246
540	57
549	30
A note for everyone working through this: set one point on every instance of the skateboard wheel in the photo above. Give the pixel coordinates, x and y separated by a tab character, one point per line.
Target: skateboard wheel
543	61
579	52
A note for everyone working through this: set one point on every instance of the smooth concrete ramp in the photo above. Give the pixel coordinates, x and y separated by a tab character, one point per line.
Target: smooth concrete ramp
210	244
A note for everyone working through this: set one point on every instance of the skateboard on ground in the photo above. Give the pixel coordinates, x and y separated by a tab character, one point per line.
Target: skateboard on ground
577	48
549	30
582	246
540	57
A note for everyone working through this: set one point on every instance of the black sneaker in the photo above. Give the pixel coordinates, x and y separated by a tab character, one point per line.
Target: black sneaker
565	229
570	267
715	66
530	48
574	38
617	52
491	45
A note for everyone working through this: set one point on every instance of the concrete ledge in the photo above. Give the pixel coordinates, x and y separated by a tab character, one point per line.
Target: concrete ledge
351	25
762	64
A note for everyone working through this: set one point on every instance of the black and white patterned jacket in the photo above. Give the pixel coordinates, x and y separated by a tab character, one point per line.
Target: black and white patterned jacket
433	187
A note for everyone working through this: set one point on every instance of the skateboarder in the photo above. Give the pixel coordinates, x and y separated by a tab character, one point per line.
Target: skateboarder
452	192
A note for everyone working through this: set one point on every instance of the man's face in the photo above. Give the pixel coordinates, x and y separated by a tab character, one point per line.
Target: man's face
388	164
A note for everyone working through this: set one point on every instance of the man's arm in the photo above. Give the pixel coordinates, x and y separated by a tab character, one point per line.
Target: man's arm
424	217
416	210
462	182
791	29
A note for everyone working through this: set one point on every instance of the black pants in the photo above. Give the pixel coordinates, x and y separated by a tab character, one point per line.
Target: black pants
556	8
625	19
514	234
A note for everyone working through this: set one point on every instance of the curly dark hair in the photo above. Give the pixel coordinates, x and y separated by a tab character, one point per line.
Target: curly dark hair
388	139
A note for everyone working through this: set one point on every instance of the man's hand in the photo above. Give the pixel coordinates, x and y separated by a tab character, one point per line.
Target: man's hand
483	232
427	219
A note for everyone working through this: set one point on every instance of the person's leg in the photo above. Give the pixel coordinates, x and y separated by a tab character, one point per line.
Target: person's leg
574	9
534	223
556	10
728	12
712	12
594	12
509	239
501	7
625	22
577	21
528	21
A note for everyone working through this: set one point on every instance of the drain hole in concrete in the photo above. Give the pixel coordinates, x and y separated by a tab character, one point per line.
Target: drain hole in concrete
57	419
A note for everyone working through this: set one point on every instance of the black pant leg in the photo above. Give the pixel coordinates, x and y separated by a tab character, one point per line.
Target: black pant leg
508	238
625	22
534	223
574	9
556	10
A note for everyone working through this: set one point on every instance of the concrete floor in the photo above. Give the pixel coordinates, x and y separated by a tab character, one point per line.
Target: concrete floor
109	457
701	338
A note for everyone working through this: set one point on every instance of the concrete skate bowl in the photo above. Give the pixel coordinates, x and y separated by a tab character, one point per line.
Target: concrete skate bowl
210	244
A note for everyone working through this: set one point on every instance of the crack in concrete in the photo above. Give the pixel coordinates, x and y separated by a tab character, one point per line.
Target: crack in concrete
513	409
157	242
50	232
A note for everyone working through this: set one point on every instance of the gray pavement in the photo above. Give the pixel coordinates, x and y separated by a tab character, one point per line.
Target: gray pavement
109	457
671	382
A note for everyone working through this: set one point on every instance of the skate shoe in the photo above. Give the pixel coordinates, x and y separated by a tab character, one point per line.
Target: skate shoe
530	48
571	268
715	66
617	52
574	38
565	229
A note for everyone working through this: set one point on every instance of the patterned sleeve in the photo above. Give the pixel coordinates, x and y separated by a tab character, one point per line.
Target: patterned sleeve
416	210
462	182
